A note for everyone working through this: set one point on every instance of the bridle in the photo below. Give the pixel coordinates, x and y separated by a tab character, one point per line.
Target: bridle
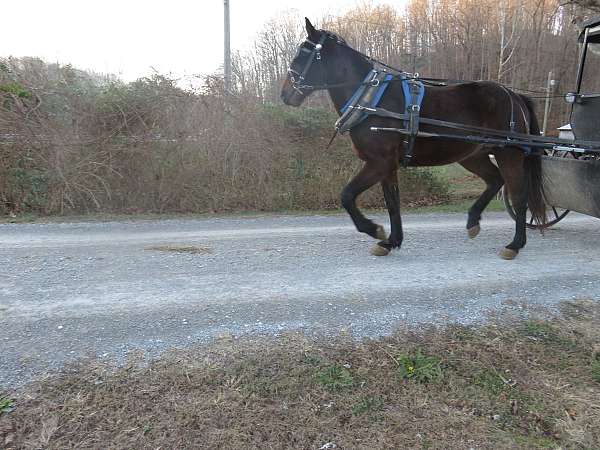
297	78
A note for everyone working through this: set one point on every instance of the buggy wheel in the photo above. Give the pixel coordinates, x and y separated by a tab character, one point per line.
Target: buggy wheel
554	214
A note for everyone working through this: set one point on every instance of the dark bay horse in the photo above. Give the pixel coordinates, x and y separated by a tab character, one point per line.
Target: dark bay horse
340	69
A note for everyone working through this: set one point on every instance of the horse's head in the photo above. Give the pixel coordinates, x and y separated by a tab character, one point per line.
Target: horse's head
307	68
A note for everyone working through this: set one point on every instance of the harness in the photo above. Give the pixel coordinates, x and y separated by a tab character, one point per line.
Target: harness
364	102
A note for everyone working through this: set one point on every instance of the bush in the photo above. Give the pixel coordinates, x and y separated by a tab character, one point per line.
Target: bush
97	144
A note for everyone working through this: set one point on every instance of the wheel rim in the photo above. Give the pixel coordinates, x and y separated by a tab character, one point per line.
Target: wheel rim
554	214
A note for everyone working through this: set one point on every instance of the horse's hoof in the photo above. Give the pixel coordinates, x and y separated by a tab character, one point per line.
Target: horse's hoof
508	253
378	250
473	231
380	234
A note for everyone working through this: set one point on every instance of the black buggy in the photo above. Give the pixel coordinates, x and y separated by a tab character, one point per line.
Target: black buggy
572	167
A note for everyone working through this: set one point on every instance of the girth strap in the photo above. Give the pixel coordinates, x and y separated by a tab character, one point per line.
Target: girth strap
414	92
365	100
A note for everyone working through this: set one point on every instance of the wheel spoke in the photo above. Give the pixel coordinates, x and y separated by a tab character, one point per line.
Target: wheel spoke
555	213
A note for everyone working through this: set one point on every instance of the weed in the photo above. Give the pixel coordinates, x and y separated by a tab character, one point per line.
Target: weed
367	405
462	333
535	442
335	378
490	381
538	330
420	367
312	360
596	369
6	405
545	333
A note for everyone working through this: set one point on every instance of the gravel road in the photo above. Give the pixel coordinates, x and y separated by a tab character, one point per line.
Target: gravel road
75	289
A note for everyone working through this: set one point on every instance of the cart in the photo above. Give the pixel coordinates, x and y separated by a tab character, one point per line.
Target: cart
572	175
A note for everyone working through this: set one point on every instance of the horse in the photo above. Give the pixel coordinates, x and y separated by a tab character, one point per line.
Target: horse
325	61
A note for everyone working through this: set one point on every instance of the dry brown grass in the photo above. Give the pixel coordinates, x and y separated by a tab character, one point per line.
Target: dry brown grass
513	384
191	249
150	146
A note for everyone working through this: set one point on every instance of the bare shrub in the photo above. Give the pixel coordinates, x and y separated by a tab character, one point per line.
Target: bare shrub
75	142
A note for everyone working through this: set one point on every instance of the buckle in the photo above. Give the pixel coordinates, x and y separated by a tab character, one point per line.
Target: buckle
415	108
362	108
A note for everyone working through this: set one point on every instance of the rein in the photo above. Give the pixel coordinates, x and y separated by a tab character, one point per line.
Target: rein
297	76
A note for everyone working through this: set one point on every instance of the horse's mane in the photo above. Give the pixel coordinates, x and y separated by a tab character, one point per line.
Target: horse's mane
335	36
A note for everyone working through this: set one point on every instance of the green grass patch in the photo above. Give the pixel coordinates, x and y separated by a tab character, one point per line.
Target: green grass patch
420	367
368	405
6	405
335	378
540	331
545	333
596	368
535	442
490	381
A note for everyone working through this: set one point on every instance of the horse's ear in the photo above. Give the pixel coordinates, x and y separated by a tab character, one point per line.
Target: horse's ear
309	28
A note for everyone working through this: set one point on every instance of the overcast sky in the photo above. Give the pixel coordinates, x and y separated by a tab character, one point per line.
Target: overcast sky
130	37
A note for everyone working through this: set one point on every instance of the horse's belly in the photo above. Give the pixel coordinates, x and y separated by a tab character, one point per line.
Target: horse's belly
440	153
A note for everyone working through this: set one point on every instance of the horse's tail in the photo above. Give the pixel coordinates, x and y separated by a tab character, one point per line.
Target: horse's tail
533	171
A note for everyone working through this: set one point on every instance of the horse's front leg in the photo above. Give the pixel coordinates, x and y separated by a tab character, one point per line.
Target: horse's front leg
391	194
370	174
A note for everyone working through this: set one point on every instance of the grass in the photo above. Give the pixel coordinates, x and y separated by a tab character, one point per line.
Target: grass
453	206
368	405
6	405
462	183
595	368
419	367
335	378
497	386
464	188
190	249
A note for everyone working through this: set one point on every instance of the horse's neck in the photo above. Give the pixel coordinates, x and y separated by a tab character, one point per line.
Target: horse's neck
340	95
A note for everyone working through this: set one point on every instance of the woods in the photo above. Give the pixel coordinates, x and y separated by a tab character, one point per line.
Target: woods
72	141
515	42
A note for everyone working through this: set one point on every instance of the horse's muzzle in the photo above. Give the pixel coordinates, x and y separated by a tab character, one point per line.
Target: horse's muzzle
290	95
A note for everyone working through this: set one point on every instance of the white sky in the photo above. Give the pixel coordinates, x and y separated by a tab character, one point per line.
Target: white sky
130	37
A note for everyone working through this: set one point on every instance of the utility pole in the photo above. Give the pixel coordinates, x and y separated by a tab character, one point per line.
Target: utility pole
227	55
549	92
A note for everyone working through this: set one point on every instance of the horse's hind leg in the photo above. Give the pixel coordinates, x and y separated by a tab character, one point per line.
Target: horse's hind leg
370	174
481	166
511	163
